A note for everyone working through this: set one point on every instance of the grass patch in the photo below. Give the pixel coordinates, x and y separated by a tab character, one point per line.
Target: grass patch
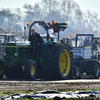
5	93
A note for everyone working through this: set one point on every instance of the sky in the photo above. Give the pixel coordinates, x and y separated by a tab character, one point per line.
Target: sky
92	5
15	3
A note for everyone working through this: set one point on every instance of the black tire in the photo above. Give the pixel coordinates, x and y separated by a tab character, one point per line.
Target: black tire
30	70
96	70
56	59
77	72
1	71
26	68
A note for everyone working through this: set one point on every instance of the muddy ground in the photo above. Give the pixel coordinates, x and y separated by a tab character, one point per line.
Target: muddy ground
21	85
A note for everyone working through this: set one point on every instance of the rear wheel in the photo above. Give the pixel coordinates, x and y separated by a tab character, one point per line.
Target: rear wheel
62	63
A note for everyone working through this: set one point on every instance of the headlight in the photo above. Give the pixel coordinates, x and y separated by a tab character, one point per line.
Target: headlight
15	54
4	54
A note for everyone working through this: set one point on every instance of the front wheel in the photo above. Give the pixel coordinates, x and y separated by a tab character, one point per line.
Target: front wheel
96	70
77	72
30	69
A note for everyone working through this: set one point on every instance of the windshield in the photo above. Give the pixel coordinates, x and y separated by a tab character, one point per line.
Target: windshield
4	39
84	41
10	38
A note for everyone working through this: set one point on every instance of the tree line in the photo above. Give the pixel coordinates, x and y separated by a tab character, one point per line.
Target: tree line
50	10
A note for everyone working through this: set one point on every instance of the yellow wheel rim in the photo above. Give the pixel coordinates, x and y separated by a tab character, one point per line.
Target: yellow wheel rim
32	70
64	62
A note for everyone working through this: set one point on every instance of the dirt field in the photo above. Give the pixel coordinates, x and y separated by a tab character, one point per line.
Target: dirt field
12	85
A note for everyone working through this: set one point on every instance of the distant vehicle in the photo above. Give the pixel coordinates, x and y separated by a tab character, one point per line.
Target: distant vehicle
4	38
85	61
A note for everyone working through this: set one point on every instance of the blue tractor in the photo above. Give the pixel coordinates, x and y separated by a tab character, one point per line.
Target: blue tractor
85	59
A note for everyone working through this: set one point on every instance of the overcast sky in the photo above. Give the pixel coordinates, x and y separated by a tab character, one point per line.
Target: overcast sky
92	5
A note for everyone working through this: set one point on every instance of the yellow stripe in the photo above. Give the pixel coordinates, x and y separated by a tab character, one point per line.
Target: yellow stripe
11	46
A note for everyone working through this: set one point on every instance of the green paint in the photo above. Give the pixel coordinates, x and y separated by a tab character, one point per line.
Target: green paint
42	63
66	24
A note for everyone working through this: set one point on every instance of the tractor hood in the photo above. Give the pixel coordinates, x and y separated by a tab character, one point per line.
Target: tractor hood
18	43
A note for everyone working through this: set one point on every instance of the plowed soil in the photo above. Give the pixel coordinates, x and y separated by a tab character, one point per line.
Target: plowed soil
13	85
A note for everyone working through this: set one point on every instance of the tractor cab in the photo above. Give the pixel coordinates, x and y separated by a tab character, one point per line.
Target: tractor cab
49	38
83	47
4	38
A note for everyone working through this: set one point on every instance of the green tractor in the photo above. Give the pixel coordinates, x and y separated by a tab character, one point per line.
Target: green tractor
51	60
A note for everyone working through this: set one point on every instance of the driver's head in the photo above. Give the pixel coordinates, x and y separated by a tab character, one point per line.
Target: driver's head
33	31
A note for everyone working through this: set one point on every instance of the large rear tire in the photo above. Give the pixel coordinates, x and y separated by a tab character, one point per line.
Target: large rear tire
59	62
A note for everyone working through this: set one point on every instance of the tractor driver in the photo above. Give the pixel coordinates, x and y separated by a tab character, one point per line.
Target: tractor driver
36	41
35	37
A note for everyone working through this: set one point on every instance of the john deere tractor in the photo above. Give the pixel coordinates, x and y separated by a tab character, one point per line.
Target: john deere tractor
49	60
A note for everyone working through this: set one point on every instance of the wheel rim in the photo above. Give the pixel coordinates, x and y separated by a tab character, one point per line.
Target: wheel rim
64	62
97	70
32	70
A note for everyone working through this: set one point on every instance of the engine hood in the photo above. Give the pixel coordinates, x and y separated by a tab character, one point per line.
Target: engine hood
18	43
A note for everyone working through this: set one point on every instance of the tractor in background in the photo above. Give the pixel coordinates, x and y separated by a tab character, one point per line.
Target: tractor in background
86	55
51	60
85	60
4	38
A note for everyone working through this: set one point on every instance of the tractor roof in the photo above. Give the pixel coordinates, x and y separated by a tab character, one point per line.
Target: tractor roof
56	26
51	25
